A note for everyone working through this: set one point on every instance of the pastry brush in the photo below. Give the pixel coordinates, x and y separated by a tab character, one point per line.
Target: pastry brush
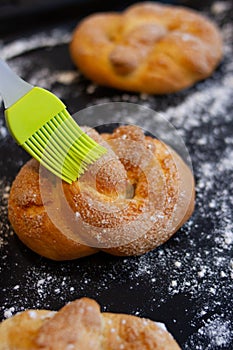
41	124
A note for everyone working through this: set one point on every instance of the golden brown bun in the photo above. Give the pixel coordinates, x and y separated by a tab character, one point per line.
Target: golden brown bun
150	48
81	326
28	216
127	203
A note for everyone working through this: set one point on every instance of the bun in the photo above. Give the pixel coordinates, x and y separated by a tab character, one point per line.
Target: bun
81	326
131	200
150	47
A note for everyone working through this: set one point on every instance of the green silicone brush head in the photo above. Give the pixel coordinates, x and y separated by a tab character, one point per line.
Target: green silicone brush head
41	124
62	147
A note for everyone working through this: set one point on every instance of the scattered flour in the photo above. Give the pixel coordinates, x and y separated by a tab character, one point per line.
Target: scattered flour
198	262
57	36
216	330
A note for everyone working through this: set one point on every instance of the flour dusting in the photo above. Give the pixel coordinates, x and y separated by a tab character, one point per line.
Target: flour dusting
192	274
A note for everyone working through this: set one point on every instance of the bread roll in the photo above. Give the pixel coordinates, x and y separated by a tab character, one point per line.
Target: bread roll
81	326
130	201
150	47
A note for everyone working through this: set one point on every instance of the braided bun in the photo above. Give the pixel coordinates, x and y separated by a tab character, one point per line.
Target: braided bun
150	48
127	203
81	326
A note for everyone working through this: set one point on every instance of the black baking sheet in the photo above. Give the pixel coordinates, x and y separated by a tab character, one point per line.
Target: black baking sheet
188	282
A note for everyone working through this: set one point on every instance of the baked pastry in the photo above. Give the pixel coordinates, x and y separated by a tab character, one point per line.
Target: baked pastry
128	202
150	47
81	326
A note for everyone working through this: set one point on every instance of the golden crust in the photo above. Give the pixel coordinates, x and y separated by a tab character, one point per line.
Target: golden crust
80	325
30	220
131	200
150	48
19	332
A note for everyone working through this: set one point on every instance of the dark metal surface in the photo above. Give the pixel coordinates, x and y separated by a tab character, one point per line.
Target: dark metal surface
188	282
18	15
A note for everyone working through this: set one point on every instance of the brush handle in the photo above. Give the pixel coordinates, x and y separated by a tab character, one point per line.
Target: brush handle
12	87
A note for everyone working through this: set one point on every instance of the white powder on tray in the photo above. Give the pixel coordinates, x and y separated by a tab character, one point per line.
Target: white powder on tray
5	230
51	38
197	263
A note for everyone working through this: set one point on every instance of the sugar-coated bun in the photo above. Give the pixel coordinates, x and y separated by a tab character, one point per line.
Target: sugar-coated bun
130	201
80	325
150	47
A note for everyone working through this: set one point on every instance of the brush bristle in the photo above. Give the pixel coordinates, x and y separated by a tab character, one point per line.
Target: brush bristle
63	148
